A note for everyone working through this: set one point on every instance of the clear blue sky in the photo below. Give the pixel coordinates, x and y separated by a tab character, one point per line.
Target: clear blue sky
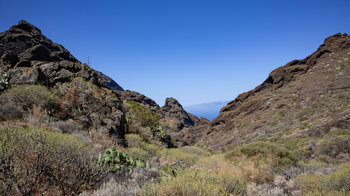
194	50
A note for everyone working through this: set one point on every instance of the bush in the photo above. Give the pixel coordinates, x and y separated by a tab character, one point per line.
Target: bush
28	96
68	126
138	153
34	161
151	149
282	158
195	151
175	156
279	187
334	146
145	116
9	111
129	184
135	141
195	182
335	181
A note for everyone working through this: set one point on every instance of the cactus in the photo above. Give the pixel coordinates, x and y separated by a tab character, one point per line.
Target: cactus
116	159
167	171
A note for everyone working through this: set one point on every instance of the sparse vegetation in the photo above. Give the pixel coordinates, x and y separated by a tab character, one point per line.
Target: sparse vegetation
336	182
30	157
281	157
66	129
9	111
146	117
29	96
197	182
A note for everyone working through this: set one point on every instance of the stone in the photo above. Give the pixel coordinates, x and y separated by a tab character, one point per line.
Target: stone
9	59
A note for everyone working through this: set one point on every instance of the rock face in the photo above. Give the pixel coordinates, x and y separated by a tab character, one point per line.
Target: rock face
174	117
295	100
28	57
27	42
109	81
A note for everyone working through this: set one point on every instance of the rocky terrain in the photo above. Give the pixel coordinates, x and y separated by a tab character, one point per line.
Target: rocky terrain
67	129
28	57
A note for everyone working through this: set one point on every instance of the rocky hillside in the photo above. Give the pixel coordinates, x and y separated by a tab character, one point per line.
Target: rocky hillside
66	129
91	99
304	97
86	96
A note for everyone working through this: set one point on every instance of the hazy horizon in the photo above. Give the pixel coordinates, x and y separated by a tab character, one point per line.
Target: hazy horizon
207	110
195	51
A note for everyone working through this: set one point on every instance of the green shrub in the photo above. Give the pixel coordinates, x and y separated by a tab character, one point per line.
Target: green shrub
282	158
167	171
27	96
138	153
145	116
176	156
334	146
151	149
195	151
338	181
135	141
191	182
10	111
34	161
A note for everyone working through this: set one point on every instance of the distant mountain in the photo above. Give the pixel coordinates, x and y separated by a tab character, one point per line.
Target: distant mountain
207	110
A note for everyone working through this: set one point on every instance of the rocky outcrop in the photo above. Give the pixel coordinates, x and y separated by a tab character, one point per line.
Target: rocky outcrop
174	117
193	134
27	42
28	57
109	81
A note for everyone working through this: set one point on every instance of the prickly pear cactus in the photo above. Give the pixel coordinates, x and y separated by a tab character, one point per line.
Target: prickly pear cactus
116	159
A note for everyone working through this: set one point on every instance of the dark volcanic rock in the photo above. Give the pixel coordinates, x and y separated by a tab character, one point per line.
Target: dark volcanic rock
38	52
175	118
26	41
26	75
28	57
192	135
23	45
9	59
109	81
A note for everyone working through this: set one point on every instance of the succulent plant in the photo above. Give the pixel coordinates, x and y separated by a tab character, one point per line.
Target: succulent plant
116	159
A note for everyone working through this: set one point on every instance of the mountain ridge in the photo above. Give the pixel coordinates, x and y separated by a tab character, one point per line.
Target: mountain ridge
244	116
